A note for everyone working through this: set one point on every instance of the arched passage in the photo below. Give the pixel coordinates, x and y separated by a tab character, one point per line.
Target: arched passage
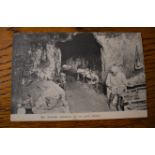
82	50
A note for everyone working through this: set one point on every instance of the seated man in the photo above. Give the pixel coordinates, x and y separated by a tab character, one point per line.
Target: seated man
116	83
82	73
93	79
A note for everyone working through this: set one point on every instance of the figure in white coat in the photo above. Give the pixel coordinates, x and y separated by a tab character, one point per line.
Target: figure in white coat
116	83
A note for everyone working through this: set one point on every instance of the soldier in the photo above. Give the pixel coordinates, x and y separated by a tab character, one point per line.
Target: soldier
28	104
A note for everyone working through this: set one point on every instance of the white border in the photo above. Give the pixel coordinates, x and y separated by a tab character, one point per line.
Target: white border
79	116
79	141
49	13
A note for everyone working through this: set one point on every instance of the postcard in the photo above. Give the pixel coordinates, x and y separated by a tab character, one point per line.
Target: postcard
78	76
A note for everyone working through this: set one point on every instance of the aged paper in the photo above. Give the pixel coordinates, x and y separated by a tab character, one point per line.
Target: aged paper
78	76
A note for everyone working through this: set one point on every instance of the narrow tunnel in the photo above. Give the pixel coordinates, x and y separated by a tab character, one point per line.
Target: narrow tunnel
85	93
82	51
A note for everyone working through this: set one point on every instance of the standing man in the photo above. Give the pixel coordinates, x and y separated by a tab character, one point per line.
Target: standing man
63	80
116	83
28	104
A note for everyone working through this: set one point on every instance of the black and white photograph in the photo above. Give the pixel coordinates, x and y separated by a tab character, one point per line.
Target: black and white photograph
78	76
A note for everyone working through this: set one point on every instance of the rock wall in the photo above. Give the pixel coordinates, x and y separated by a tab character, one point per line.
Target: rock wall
120	49
47	62
54	56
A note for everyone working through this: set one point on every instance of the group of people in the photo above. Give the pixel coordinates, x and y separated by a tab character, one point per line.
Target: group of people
116	84
89	76
85	75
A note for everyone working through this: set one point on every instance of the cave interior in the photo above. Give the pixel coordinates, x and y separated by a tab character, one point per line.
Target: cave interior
84	48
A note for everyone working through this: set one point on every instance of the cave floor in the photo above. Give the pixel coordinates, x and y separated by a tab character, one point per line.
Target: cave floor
82	98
